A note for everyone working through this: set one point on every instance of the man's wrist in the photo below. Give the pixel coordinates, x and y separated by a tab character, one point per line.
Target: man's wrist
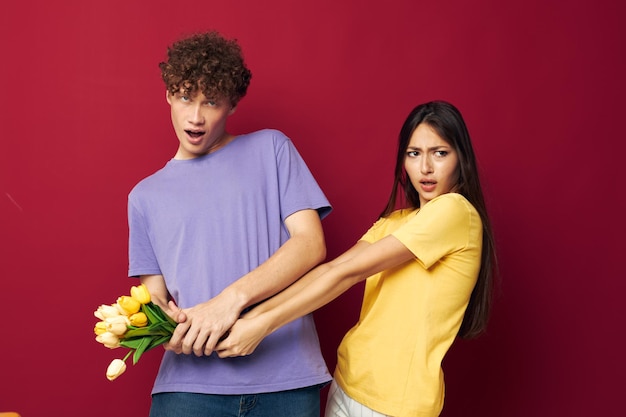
236	298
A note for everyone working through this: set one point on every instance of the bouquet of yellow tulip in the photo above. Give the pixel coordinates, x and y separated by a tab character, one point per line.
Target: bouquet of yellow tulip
134	322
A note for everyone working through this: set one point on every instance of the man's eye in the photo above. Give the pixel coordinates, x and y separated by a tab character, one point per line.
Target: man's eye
184	98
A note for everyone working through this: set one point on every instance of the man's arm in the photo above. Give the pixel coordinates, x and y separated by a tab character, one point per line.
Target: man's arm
206	322
161	296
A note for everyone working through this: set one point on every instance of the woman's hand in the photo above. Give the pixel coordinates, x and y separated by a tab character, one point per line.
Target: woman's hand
243	338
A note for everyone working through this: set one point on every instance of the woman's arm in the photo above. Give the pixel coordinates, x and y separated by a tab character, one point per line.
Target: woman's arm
297	286
313	291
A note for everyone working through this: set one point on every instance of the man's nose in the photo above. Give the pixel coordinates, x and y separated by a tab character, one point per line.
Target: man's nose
196	116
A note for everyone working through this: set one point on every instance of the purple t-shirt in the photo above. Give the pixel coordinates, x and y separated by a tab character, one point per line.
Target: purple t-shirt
203	223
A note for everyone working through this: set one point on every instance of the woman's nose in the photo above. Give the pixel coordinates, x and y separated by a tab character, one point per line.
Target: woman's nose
426	165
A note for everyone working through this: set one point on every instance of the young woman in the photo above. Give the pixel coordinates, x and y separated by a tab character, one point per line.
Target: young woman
429	270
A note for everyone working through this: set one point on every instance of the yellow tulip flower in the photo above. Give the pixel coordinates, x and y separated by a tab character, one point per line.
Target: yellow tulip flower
139	319
128	304
100	328
140	293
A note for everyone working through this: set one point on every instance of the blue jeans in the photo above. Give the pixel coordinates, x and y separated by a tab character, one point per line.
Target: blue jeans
303	402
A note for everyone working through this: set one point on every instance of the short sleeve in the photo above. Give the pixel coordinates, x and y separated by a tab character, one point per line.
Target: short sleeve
444	225
298	188
142	260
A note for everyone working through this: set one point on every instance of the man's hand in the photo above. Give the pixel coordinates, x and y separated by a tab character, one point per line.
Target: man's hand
176	313
201	327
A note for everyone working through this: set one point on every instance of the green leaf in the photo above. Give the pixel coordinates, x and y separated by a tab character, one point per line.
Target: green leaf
143	346
158	341
131	343
153	330
149	312
158	311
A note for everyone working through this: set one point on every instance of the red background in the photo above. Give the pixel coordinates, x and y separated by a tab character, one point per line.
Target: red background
540	84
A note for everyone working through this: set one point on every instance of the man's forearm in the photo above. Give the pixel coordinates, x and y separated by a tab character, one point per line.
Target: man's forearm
292	260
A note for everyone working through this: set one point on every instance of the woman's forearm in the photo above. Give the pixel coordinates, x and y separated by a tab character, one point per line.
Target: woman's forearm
315	289
288	292
312	294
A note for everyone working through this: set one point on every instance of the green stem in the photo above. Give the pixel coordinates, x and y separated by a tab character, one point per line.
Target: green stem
127	355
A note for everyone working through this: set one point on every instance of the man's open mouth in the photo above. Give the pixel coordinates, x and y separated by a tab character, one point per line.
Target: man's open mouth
194	134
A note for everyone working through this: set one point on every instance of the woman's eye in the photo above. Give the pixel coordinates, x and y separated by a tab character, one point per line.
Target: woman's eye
412	153
441	153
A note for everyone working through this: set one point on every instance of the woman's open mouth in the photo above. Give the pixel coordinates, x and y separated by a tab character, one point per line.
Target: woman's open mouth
428	186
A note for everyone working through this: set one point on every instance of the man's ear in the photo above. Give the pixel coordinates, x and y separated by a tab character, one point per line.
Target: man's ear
232	110
168	97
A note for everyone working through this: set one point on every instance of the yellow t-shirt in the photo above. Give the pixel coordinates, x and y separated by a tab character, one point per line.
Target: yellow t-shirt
391	359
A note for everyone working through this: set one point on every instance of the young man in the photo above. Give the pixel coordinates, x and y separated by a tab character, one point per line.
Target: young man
227	223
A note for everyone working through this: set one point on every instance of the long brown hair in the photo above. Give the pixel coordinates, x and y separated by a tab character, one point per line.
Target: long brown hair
447	121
